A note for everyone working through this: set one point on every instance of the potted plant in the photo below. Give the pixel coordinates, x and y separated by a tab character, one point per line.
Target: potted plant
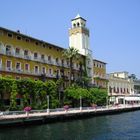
27	109
94	106
66	107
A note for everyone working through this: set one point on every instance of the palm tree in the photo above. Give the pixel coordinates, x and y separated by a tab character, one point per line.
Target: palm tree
71	53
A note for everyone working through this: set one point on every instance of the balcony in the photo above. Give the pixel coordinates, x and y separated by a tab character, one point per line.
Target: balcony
43	60
100	77
27	57
8	53
1	68
27	71
50	62
18	70
18	55
36	72
2	51
35	58
51	75
57	63
9	69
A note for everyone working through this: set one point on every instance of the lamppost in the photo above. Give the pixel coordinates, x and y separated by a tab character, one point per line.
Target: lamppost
48	110
124	101
107	102
80	103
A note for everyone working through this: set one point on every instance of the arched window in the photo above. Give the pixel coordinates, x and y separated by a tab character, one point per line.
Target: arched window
114	89
49	59
26	52
78	24
36	69
35	55
8	49
17	51
121	90
50	72
74	25
118	90
43	70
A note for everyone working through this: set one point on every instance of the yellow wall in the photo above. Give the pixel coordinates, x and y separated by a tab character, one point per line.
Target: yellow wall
48	50
100	74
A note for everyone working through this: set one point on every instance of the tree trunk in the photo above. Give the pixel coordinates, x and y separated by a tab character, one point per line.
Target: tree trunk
70	72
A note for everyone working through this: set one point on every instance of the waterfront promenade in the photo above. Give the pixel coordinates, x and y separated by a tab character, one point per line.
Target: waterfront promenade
20	117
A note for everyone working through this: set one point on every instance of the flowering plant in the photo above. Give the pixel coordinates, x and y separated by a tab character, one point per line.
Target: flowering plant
27	109
94	106
66	107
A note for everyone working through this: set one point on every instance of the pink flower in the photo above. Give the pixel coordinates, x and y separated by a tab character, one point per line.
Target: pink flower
94	106
66	107
27	108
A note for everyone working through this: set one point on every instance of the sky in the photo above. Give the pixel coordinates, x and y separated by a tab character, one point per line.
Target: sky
114	26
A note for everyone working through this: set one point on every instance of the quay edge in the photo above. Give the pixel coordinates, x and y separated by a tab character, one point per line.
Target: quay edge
45	119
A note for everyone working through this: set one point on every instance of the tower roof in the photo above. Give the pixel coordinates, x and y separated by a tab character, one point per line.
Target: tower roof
77	17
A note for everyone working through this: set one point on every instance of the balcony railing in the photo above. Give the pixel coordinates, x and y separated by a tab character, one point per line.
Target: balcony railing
35	58
43	60
101	77
2	51
18	55
27	71
19	70
51	75
9	69
8	53
50	62
27	57
58	63
1	68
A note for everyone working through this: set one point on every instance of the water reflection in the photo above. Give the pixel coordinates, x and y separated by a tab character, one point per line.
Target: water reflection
125	126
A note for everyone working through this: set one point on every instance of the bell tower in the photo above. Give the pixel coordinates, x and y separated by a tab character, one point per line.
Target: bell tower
79	39
79	35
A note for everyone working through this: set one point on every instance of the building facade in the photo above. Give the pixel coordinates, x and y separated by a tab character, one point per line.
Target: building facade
99	70
121	88
137	86
23	56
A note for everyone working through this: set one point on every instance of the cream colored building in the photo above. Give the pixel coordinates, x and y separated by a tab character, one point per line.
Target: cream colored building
79	39
121	88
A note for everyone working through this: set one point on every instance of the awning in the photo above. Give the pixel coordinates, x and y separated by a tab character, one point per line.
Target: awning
132	98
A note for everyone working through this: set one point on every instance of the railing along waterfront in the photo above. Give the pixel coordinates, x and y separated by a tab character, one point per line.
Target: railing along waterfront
62	110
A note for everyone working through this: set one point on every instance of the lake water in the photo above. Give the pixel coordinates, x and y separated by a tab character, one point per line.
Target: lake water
124	126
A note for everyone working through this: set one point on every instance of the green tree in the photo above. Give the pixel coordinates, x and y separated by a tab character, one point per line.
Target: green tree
60	88
13	105
5	89
26	89
71	53
51	89
33	91
74	93
40	91
99	96
83	79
